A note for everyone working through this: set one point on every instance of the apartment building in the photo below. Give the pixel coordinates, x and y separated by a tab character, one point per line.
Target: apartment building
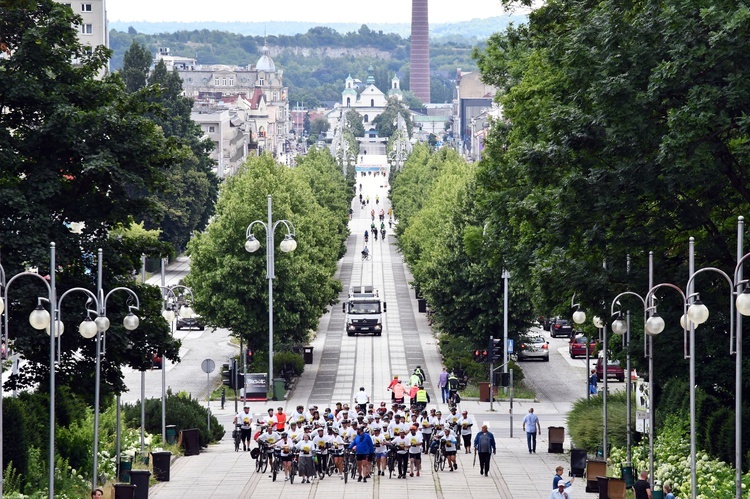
93	30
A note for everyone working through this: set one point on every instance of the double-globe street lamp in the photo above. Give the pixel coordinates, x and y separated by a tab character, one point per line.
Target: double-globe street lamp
96	329
39	320
171	309
287	245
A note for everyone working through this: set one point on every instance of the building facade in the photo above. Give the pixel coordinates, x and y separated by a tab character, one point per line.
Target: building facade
92	31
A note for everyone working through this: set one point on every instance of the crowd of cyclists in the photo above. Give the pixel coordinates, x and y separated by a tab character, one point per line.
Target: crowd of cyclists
359	442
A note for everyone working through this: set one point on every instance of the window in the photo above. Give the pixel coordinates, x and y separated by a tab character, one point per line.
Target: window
348	102
85	7
231	82
261	81
372	102
211	129
87	29
367	118
216	82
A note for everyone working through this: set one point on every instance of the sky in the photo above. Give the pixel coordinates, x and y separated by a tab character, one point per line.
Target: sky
329	11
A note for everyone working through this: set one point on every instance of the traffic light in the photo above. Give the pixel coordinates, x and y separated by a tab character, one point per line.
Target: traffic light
496	347
477	355
226	375
248	357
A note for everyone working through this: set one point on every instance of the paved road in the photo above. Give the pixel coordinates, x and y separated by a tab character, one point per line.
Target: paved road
342	364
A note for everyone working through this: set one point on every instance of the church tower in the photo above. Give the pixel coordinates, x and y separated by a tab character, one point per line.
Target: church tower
419	77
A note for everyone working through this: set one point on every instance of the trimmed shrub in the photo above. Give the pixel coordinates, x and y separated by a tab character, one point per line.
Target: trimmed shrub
16	444
290	360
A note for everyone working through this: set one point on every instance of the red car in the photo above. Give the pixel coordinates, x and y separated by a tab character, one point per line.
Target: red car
614	370
577	346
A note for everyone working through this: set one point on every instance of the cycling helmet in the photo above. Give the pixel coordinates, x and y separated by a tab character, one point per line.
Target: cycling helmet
284	434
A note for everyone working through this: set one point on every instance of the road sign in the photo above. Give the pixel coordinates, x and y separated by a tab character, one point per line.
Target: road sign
208	366
510	347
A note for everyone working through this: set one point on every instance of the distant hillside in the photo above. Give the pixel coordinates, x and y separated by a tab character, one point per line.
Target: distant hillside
479	29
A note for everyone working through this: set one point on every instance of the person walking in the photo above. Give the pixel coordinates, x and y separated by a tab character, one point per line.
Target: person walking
668	490
641	487
306	453
415	450
363	446
593	380
465	422
560	492
560	478
245	420
398	393
484	443
393	383
531	426
443	384
361	399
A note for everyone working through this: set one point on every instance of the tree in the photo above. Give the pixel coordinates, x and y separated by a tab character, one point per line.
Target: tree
354	123
319	125
74	148
385	122
135	66
303	287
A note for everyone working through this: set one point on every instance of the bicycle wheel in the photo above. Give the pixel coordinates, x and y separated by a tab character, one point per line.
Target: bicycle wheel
436	462
293	471
264	462
331	466
275	469
442	462
354	468
258	462
346	469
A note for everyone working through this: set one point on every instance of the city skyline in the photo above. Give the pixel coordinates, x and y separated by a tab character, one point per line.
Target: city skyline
330	11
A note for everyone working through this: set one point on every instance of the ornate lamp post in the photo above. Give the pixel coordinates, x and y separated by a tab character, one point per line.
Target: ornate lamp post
287	245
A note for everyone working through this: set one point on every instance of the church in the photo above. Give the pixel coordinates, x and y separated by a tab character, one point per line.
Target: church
364	98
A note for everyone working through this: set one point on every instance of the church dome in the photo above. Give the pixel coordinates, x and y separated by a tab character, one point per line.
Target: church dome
265	63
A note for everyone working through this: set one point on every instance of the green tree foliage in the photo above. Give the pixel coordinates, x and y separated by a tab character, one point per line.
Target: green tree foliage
187	201
230	285
135	67
319	125
74	148
624	132
354	123
585	421
385	122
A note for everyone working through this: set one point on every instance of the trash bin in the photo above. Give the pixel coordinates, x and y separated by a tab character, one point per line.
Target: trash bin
140	479
124	490
171	434
484	392
191	441
603	483
422	304
308	354
626	472
578	462
161	462
126	464
616	488
657	494
279	390
556	437
594	469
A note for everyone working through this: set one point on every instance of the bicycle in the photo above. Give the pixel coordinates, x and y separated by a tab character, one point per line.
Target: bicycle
440	458
390	461
348	464
331	465
261	463
295	467
365	256
237	436
276	467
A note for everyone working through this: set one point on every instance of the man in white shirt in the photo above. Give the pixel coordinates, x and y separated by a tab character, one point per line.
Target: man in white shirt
402	452
245	419
465	422
560	492
415	450
361	399
320	442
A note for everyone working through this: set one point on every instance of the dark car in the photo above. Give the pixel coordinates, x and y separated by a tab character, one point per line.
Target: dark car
614	370
533	346
156	361
560	327
190	323
577	346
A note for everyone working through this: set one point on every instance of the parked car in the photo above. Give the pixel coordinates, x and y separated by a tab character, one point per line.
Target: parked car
533	346
614	370
577	346
156	361
560	327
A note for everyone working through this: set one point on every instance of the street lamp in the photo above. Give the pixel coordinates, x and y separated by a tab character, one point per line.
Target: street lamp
170	304
39	320
287	245
96	329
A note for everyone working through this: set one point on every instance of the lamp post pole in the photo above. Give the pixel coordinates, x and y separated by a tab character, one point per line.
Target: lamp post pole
39	319
287	245
170	312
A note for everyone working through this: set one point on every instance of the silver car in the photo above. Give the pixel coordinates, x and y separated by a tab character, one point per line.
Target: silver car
533	347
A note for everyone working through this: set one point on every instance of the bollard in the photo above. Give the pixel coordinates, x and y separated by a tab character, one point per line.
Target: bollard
223	397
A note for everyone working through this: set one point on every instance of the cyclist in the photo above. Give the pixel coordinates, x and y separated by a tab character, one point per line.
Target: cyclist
372	215
294	433
375	234
286	449
449	440
360	187
365	253
378	440
351	212
269	438
426	423
363	445
306	452
320	442
367	235
382	215
245	420
402	450
415	450
377	199
367	199
452	387
337	451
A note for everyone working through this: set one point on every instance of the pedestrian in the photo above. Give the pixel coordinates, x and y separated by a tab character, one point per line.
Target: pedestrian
97	493
641	487
560	492
280	419
393	383
531	426
363	446
443	384
593	380
306	453
668	490
415	450
484	443
465	422
413	394
361	399
422	398
559	477
245	420
398	393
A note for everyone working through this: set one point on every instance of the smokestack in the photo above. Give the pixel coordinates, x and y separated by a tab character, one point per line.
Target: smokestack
419	78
